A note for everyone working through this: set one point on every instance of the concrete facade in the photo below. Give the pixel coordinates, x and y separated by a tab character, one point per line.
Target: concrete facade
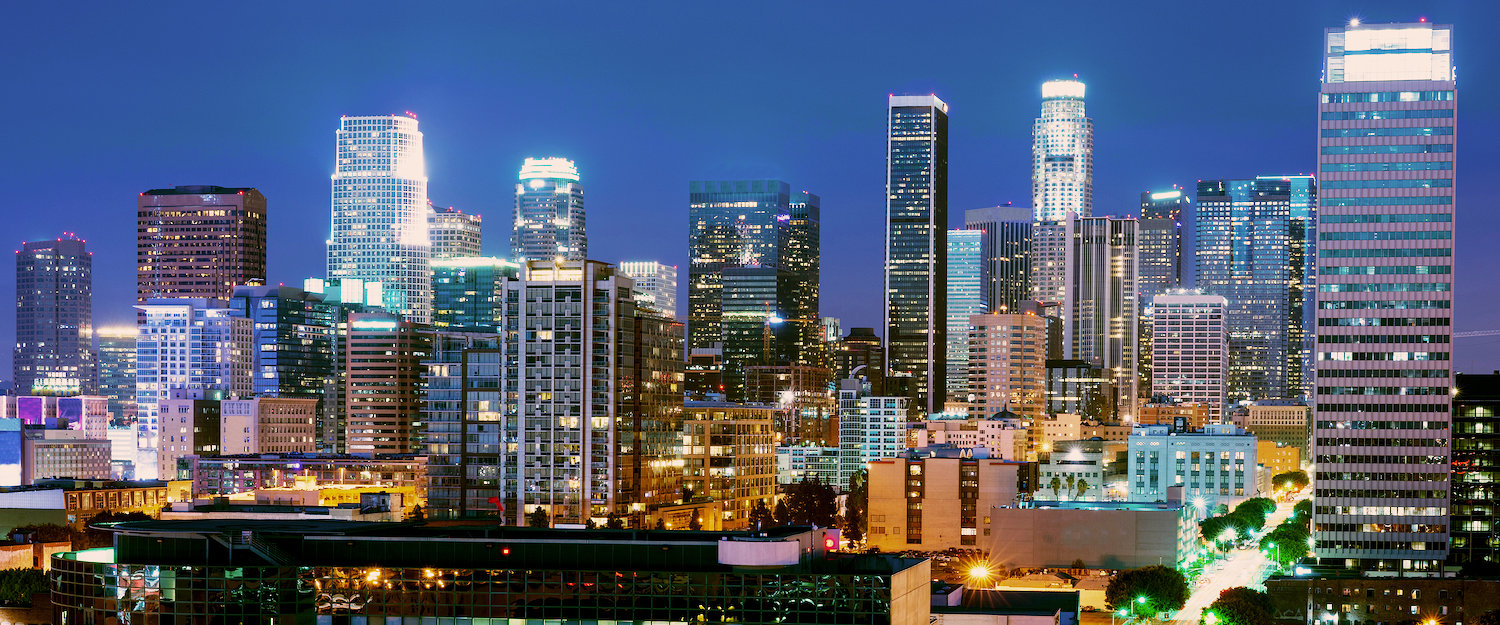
1104	536
936	503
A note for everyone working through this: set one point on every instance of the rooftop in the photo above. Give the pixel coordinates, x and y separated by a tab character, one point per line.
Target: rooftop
199	189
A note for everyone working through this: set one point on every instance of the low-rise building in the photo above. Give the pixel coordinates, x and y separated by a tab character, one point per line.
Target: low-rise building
1278	457
1191	415
1103	535
1285	421
1003	434
223	476
268	425
1215	463
931	500
1355	599
729	457
48	454
1088	470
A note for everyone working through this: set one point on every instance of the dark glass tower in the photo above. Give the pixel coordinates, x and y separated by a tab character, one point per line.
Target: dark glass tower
1162	252
731	223
293	339
916	219
1476	474
54	353
1005	250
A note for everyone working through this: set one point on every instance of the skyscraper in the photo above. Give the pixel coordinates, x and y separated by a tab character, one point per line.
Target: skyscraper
801	258
380	211
199	241
1005	251
117	369
54	352
731	223
383	393
916	220
1162	214
548	221
467	293
1007	368
1062	154
965	299
1191	349
1387	116
453	233
1255	247
293	339
655	285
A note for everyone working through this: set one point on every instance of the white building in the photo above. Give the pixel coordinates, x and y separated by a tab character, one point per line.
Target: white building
1004	438
870	428
1214	464
380	211
453	233
655	285
548	222
1190	349
1062	153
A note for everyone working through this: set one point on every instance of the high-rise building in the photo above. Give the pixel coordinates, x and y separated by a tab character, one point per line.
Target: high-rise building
801	258
383	391
293	339
190	421
187	344
1007	365
464	379
453	233
731	223
729	455
1062	154
347	296
755	329
467	293
380	211
1476	467
54	352
1387	116
860	355
1005	250
117	369
870	428
655	285
1191	348
548	222
916	220
1162	252
965	299
199	241
1255	247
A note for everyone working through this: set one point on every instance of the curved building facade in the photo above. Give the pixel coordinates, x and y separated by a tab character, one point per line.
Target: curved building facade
1062	150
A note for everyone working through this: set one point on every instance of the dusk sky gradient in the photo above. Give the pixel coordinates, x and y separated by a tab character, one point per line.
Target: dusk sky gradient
107	100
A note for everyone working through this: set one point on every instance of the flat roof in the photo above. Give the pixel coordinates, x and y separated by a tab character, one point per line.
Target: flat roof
1014	602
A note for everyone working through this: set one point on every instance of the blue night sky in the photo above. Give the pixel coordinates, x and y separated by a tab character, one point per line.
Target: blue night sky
122	97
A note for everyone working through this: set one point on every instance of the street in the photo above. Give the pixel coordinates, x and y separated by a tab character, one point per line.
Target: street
1246	567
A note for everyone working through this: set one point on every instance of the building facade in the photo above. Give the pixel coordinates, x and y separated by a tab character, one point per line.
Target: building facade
1162	251
1190	349
117	369
729	456
1007	365
916	221
870	428
1385	296
549	221
965	299
453	233
292	339
380	211
1474	521
899	487
1062	154
269	425
199	241
655	285
383	392
1216	462
1005	254
468	293
190	421
54	350
1283	421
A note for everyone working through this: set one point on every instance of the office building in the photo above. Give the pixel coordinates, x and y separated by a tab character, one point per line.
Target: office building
1385	278
1005	255
1082	470
931	501
860	355
383	390
1282	421
191	344
916	221
1062	154
731	223
1190	349
965	299
1103	535
755	324
786	575
463	379
548	221
199	241
380	212
655	285
54	351
1215	463
453	233
1007	365
59	453
1160	235
293	339
805	405
870	428
729	457
1192	416
1003	435
1255	247
268	425
347	296
1474	520
802	259
189	421
117	369
1278	458
1079	387
467	292
223	476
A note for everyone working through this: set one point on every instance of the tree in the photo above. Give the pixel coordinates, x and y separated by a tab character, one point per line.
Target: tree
783	516
1056	485
590	524
687	494
1071	481
1079	564
1296	480
416	515
1242	606
857	504
1083	487
614	522
1148	591
1303	510
811	502
1212	529
1491	617
660	524
760	516
538	518
852	525
18	585
695	523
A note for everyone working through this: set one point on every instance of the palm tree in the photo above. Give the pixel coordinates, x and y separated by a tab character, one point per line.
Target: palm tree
1071	481
1083	487
1056	485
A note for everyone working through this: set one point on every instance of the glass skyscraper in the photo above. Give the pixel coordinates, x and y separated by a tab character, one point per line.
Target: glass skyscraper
1162	214
293	339
916	221
965	299
1062	154
1005	251
467	293
117	369
54	352
1387	116
731	223
549	219
380	211
1254	247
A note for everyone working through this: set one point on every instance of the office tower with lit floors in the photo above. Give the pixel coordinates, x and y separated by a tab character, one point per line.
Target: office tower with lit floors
1191	349
54	351
1161	262
965	299
548	221
731	223
117	369
380	211
916	220
199	241
1005	254
453	233
655	285
1385	225
1062	154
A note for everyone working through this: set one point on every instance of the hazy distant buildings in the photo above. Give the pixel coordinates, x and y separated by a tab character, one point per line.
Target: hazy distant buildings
1255	247
1062	153
1386	143
453	233
1005	251
380	212
655	285
54	350
916	221
1190	345
117	369
965	299
549	221
199	241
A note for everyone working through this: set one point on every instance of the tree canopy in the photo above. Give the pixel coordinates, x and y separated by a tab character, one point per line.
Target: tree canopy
811	502
1240	606
1294	479
1148	591
18	585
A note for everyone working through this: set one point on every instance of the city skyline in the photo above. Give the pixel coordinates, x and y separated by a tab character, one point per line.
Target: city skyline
987	175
